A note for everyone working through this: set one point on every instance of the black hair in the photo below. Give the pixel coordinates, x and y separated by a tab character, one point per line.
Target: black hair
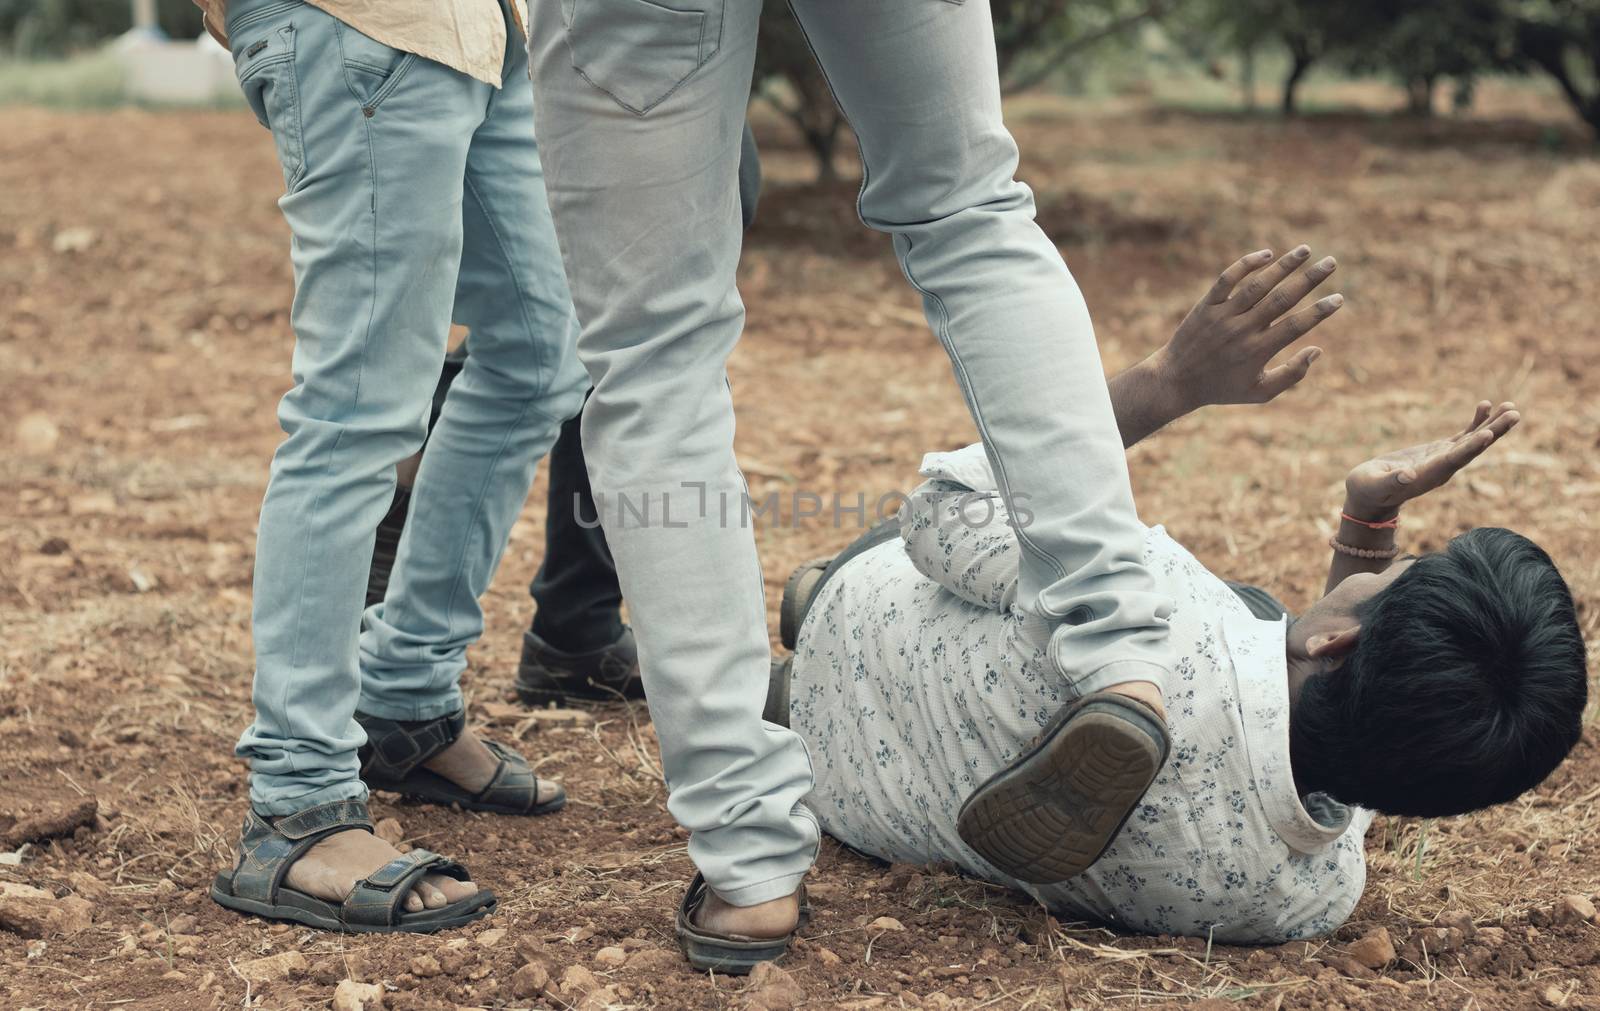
1466	688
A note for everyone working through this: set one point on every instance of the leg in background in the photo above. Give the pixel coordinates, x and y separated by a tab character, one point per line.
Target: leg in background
577	647
394	521
579	602
519	384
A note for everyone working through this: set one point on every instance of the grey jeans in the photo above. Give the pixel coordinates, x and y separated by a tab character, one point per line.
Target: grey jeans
640	105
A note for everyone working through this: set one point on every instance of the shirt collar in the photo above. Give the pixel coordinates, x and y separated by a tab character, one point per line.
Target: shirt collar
1261	670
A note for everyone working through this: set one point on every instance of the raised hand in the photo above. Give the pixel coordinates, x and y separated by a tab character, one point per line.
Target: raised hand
1221	351
1376	489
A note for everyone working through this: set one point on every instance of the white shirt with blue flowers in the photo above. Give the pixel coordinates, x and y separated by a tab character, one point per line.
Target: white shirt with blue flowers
917	677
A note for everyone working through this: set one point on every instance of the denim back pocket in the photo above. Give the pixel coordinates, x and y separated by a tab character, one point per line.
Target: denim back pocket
372	70
639	51
264	64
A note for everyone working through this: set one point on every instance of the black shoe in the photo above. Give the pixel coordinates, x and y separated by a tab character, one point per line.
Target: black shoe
549	676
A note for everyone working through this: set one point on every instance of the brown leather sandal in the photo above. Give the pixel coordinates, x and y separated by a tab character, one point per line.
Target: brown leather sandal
395	750
733	954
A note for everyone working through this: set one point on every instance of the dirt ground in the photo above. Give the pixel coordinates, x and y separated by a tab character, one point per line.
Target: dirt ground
144	340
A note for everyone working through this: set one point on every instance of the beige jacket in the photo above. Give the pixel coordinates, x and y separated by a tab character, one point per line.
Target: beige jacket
464	35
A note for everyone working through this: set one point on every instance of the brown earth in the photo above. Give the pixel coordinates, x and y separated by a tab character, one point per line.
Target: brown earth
144	340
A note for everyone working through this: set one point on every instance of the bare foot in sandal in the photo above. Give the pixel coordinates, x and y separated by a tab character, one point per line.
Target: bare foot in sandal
440	761
331	868
773	919
469	763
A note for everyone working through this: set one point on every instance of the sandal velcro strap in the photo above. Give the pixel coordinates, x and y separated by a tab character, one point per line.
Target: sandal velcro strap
379	898
340	814
513	783
268	846
395	747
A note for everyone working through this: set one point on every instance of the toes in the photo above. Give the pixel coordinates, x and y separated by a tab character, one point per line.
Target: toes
451	889
550	791
431	896
438	891
413	902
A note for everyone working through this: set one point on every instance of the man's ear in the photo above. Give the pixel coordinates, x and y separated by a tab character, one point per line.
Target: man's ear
1333	645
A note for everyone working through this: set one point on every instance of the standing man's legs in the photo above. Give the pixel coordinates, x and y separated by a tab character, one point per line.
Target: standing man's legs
918	81
637	116
577	646
647	211
521	381
374	146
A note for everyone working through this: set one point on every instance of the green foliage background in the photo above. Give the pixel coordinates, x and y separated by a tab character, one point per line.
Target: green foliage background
1419	44
34	29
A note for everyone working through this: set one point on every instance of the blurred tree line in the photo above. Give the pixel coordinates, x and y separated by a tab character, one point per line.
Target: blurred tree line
1422	45
43	28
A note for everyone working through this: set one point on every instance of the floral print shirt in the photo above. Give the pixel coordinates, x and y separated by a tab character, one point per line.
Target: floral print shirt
917	677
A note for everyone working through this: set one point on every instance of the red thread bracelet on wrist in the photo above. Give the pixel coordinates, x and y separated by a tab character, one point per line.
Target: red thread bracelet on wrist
1393	524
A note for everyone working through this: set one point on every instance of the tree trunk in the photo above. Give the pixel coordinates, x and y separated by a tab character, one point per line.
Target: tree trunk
1547	49
1247	77
1291	83
1419	96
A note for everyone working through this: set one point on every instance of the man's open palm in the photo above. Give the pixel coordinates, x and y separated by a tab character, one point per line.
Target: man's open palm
1383	483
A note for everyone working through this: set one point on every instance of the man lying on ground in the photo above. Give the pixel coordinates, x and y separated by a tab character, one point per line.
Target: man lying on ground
1416	686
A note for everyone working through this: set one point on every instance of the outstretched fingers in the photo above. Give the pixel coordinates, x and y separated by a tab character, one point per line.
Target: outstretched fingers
1288	375
1468	446
1253	291
1291	328
1287	295
1240	269
1479	416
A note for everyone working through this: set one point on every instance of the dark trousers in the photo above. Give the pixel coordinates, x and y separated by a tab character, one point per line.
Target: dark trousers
578	599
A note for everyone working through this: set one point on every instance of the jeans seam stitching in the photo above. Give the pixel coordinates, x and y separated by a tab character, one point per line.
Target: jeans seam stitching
541	385
700	64
249	20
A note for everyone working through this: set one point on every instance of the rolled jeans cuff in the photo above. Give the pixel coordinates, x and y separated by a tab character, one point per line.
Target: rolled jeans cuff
414	711
272	803
762	891
1120	672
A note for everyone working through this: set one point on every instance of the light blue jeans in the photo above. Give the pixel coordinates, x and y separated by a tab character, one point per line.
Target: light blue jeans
414	198
639	105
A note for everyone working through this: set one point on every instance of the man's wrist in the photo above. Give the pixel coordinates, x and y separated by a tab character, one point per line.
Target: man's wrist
1370	513
1175	396
1360	534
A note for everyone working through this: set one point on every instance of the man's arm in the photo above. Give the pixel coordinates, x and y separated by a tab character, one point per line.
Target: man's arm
962	539
1375	490
1220	352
